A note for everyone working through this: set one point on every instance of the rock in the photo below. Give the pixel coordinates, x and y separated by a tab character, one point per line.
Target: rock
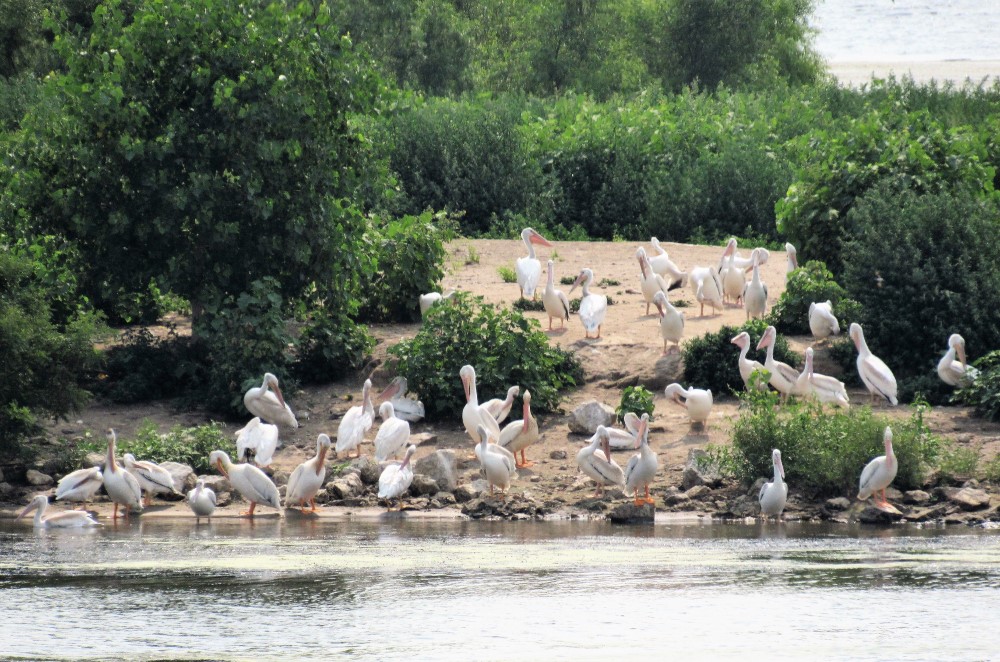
629	513
6	490
585	418
698	491
445	499
417	504
535	479
697	473
422	485
925	514
280	477
754	490
424	439
967	498
467	492
38	479
223	499
558	455
218	484
677	498
347	486
872	515
94	460
972	482
367	468
442	467
892	494
837	504
1	475
182	474
916	496
744	506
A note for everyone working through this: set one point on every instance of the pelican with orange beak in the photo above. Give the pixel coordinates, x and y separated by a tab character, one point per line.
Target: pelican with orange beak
252	483
267	402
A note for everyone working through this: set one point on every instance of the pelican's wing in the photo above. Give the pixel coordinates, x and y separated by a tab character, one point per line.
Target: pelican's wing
878	375
529	272
155	474
133	485
592	311
631	422
828	316
77	480
268	436
867	474
487	420
510	432
763	491
633	462
293	484
392	435
607	469
263	487
565	303
386	480
350	432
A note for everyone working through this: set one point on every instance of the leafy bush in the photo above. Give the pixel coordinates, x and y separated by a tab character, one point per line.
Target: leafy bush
330	347
711	361
190	446
504	347
984	392
991	469
635	399
507	274
824	451
810	283
523	304
958	463
142	367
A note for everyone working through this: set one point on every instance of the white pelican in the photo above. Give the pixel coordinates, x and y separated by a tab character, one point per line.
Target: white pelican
760	254
555	301
650	282
755	295
356	422
472	415
252	483
773	494
595	461
783	376
267	402
734	281
873	371
641	468
64	520
307	478
730	250
954	372
396	478
518	435
793	263
121	486
500	408
80	485
697	401
259	437
432	299
822	387
408	409
707	288
529	269
201	500
499	468
822	321
593	307
879	474
747	366
151	476
621	439
671	322
393	434
661	264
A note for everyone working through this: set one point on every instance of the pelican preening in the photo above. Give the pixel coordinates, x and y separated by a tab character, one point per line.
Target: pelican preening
873	371
555	301
733	278
697	401
152	477
392	436
80	485
595	461
259	437
773	495
822	387
64	520
783	376
529	269
396	478
252	483
498	466
593	307
201	500
747	366
661	264
356	423
500	408
879	474
308	477
707	288
518	435
121	486
641	468
267	402
671	322
408	409
822	321
955	372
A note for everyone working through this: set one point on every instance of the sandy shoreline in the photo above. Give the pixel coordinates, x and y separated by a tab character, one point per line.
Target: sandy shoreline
957	71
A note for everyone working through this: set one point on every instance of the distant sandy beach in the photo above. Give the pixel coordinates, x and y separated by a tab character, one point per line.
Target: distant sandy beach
957	71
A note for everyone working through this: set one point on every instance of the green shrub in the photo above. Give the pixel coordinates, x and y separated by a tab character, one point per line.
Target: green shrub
711	360
330	347
984	393
504	347
991	469
523	304
143	367
637	400
824	451
810	283
507	274
190	446
958	463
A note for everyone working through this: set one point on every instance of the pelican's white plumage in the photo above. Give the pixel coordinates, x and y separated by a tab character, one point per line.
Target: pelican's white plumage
252	483
406	408
356	422
152	478
793	262
498	467
122	487
641	468
824	388
555	301
259	437
879	474
64	520
873	371
783	376
593	307
697	401
473	415
773	495
734	280
500	408
201	500
80	485
595	461
397	477
822	322
671	321
393	434
267	402
954	372
307	478
707	288
755	295
661	264
518	435
650	282
747	366
529	269
432	299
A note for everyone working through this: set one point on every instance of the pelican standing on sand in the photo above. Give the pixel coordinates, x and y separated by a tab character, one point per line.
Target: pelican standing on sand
822	322
307	478
954	372
408	409
252	483
641	468
707	288
650	282
671	322
201	500
63	520
393	435
879	474
747	366
518	435
267	402
259	437
356	423
873	371
773	495
529	269
593	307
555	301
152	477
498	467
697	401
396	478
80	485
755	295
122	487
595	461
733	281
783	376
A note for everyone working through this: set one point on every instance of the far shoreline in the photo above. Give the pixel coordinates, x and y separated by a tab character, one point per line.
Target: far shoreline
854	74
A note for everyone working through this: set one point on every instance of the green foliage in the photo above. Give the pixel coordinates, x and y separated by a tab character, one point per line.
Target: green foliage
711	360
567	280
958	463
991	469
190	446
504	347
523	304
984	392
331	347
635	399
824	451
924	267
812	282
142	367
507	274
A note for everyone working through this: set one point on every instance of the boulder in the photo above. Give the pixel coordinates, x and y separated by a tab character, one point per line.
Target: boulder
698	491
347	486
916	497
585	418
873	515
366	468
423	485
697	471
967	498
94	460
218	484
445	499
182	474
471	490
744	506
223	499
38	479
924	514
6	490
676	498
558	455
837	504
442	467
629	513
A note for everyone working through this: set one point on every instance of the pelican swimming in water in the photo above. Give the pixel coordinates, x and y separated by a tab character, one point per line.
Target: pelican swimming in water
63	520
873	371
879	474
356	423
121	486
259	437
267	402
593	307
955	372
671	322
406	408
252	483
555	301
80	485
518	435
773	495
641	468
397	477
697	401
201	500
307	478
595	461
529	269
392	436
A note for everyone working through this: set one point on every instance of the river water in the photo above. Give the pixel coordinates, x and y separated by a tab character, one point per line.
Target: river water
456	590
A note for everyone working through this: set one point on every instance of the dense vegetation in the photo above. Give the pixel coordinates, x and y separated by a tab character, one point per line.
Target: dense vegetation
710	359
812	282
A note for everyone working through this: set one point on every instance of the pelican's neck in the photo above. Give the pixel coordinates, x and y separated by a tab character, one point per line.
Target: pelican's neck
744	350
320	456
586	286
770	351
890	457
756	275
112	466
777	474
529	246
369	407
550	282
39	511
473	395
